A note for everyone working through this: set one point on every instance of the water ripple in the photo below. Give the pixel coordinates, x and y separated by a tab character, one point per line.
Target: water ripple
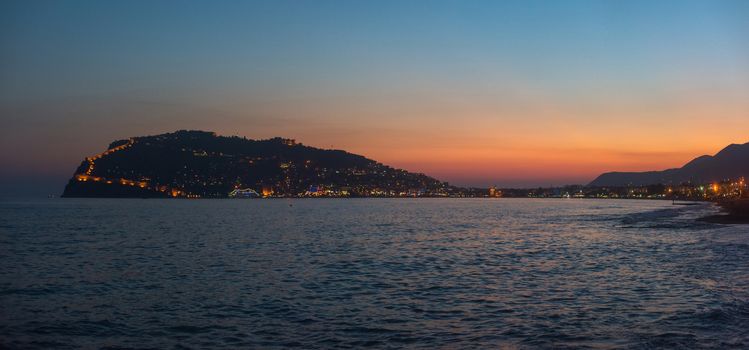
514	274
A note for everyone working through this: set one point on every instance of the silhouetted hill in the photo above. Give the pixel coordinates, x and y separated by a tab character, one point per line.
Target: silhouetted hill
202	164
730	163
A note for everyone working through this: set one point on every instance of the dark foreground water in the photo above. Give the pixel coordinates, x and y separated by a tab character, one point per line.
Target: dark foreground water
424	273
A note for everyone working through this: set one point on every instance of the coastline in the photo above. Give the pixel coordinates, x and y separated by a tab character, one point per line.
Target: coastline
735	211
685	202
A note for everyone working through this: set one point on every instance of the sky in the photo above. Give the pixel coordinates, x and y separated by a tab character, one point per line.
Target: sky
478	93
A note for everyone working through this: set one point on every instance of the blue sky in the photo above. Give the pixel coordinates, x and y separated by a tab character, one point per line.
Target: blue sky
373	77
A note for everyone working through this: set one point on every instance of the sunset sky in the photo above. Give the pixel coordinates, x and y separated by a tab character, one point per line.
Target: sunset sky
507	93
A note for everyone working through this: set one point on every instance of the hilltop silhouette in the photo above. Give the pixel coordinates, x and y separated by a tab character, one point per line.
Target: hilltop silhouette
731	162
202	164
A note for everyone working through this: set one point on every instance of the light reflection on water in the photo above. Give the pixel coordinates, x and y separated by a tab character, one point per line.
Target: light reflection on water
370	272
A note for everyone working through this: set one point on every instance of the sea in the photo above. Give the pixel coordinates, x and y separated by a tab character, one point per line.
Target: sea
370	273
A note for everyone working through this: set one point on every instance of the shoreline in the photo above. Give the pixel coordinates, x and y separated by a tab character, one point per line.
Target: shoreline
735	211
681	202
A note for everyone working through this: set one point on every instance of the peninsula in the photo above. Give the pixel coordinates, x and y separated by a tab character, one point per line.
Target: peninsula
200	164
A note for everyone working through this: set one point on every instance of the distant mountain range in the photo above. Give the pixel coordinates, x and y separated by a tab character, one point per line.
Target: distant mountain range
730	163
202	164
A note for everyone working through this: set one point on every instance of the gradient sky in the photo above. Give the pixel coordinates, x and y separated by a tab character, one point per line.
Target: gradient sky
512	93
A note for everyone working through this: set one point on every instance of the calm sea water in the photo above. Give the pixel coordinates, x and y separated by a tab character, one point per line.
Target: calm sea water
421	273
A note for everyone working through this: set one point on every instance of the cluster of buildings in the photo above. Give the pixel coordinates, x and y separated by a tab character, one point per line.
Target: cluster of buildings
726	189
